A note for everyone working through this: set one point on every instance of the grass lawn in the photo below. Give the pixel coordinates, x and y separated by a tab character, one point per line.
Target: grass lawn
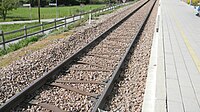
11	27
47	12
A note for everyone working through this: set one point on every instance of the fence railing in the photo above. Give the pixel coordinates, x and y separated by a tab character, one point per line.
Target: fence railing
52	25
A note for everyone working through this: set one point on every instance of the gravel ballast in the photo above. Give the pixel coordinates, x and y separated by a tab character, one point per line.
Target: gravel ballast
127	95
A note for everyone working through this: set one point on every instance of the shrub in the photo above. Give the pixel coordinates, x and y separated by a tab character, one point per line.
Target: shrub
194	2
18	45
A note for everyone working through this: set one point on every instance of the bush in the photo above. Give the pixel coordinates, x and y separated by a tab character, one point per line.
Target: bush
194	2
18	45
2	52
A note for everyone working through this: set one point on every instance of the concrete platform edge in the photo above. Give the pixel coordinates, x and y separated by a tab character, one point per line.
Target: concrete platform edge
155	92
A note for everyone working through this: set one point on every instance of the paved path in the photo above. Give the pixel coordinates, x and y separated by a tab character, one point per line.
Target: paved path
174	71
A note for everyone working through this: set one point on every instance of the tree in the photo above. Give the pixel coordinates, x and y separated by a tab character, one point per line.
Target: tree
7	5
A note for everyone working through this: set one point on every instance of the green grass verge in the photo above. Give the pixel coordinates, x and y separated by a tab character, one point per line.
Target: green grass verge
18	45
12	27
48	12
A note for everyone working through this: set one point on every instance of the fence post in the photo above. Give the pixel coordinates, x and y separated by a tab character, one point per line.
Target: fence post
95	13
90	17
55	23
65	22
25	31
73	17
3	39
42	28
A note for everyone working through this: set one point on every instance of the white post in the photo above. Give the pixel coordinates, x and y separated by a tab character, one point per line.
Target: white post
42	28
73	17
90	17
30	12
30	9
56	9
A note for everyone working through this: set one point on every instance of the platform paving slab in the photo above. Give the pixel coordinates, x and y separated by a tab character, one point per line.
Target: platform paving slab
177	75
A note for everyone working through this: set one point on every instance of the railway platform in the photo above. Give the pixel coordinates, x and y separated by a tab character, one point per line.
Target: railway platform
173	81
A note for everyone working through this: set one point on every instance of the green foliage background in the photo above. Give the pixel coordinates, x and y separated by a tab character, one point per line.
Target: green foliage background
63	2
194	2
7	5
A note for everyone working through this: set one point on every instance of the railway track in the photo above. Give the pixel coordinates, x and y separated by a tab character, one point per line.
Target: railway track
83	81
21	73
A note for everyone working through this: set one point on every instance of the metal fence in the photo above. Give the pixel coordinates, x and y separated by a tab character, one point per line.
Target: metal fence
53	25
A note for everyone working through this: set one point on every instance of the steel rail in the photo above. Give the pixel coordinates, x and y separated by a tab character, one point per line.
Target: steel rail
101	101
21	96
